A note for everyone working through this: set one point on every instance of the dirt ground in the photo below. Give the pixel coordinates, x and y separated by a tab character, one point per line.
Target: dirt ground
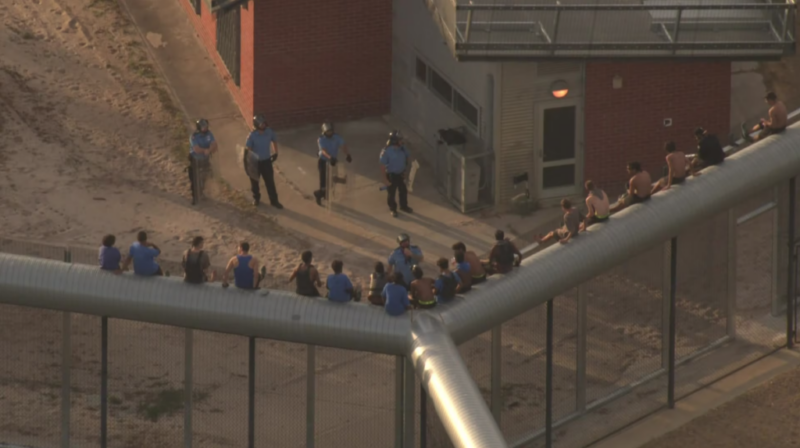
92	144
765	417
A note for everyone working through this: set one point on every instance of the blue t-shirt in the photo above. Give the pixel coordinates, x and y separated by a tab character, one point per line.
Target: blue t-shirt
396	299
330	144
439	285
403	265
261	142
394	158
202	140
144	259
109	258
463	266
338	284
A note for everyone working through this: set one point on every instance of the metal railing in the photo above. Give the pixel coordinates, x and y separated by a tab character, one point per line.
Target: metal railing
599	352
652	29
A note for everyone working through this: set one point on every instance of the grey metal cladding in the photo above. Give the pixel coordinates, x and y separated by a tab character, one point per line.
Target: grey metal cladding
628	233
276	315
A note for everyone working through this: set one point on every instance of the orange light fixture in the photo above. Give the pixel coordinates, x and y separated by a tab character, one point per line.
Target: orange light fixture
559	89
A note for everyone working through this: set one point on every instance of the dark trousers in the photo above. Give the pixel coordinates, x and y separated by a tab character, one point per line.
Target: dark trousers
197	176
396	183
322	167
266	172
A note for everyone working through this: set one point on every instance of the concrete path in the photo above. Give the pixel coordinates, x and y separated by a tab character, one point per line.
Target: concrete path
360	221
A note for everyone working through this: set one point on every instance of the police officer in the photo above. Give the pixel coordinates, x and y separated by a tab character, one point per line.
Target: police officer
201	145
394	160
403	259
264	143
329	144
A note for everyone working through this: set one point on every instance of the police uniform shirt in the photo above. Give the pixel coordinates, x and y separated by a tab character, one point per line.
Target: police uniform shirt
202	140
260	142
394	158
330	144
403	265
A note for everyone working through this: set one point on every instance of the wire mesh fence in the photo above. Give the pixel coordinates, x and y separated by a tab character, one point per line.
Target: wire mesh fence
611	339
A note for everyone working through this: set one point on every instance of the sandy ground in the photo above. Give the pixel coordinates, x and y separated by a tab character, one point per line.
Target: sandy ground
765	417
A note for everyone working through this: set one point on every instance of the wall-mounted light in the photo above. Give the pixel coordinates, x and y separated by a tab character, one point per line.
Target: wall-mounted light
559	89
616	82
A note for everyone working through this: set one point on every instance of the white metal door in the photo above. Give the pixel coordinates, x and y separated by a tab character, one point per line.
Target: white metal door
559	148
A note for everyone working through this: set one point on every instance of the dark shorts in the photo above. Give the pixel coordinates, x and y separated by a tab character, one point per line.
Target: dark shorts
595	220
678	180
766	132
634	199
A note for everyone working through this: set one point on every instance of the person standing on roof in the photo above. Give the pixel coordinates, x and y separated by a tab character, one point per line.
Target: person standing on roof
264	143
394	160
201	145
778	119
403	259
502	258
329	143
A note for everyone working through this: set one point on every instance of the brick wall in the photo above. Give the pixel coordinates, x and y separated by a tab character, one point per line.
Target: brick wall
623	125
205	25
317	59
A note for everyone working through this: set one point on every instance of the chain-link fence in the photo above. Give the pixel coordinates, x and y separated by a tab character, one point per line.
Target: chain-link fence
613	343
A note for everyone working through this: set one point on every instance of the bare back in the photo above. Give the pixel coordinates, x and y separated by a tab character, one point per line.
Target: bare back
641	184
777	116
597	206
475	265
676	161
422	289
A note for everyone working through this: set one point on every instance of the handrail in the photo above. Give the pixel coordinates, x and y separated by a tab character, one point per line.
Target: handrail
631	7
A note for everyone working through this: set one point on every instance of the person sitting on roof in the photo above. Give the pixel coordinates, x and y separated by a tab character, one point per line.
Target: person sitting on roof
377	280
477	272
109	256
709	151
597	206
676	169
446	285
463	268
196	263
245	267
572	223
778	119
307	276
396	296
340	289
143	254
638	187
504	255
421	290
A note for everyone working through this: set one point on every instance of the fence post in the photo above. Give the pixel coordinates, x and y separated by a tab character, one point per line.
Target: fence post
673	269
666	291
497	394
580	351
732	271
398	401
423	417
188	386
790	289
409	408
311	394
251	393
66	368
548	419
104	382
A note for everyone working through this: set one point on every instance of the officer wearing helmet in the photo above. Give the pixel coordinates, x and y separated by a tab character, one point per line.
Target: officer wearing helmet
329	143
403	259
394	159
264	143
201	145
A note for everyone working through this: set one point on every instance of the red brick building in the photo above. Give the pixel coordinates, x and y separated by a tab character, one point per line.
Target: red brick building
528	103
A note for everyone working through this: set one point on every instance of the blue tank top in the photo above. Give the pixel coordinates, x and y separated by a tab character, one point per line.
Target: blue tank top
243	273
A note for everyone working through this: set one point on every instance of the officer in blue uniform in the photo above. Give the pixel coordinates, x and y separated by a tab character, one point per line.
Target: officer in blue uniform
394	160
403	259
201	145
264	143
329	143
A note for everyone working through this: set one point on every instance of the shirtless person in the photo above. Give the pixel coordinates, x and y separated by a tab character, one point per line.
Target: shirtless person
638	187
676	162
476	270
421	290
596	204
776	124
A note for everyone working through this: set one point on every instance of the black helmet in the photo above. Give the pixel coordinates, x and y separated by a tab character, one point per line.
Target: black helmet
259	120
402	238
395	137
201	124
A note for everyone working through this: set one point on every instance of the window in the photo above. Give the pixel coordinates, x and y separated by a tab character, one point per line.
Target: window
442	88
464	108
422	71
